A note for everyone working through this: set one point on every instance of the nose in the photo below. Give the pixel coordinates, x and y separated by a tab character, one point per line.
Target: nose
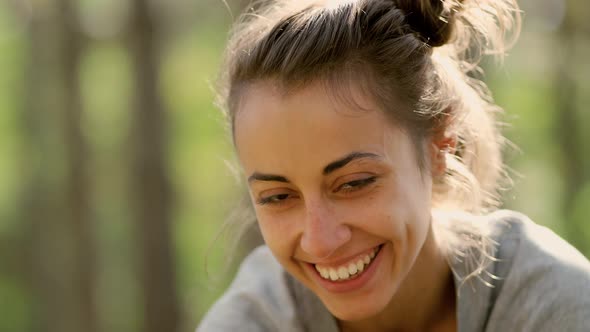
323	233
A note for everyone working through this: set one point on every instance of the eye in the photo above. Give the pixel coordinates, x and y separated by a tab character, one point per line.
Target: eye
274	199
355	185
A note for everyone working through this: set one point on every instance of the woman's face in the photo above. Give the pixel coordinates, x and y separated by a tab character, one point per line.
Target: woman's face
338	193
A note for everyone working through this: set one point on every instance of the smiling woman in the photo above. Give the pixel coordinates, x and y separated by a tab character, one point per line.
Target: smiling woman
326	206
373	162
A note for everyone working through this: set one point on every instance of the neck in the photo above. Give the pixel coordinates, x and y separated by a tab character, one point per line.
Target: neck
425	300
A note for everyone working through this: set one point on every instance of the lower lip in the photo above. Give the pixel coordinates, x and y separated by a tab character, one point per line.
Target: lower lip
351	284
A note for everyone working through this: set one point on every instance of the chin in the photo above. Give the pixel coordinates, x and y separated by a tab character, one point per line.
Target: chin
366	296
353	312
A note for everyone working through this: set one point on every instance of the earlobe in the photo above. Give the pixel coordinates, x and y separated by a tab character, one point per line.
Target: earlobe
439	150
438	161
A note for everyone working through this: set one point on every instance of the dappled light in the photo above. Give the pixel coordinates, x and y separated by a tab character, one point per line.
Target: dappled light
118	172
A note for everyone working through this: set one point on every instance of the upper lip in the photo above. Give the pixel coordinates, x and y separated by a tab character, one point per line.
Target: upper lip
340	261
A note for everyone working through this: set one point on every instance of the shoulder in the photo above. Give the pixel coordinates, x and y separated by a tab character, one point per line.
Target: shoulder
257	300
544	282
536	250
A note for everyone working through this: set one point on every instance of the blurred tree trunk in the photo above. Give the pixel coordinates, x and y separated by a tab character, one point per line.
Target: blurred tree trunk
77	185
54	198
35	206
567	126
151	187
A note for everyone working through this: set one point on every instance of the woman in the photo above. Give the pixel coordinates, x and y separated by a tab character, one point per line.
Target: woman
373	160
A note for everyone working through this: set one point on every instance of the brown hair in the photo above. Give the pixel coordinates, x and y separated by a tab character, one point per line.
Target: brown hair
417	52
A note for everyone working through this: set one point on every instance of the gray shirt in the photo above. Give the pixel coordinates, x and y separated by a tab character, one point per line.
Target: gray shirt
541	284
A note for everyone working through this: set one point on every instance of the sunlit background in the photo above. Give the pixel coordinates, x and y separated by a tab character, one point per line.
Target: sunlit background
113	159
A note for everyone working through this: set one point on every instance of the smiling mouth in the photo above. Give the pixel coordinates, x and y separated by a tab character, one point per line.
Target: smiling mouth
350	270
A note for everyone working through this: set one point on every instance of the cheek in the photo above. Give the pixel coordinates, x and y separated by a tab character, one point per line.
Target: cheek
279	233
376	216
399	213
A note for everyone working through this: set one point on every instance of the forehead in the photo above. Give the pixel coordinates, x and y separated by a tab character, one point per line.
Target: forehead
275	131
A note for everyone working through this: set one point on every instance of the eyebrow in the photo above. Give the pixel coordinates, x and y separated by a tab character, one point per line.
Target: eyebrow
335	165
331	167
267	177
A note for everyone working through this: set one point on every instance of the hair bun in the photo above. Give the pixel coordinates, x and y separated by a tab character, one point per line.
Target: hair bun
433	20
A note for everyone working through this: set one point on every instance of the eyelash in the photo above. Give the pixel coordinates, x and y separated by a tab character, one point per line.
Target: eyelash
356	184
271	200
353	186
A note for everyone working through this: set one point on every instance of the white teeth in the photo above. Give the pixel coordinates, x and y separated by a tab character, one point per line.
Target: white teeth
333	275
343	273
346	271
360	265
323	272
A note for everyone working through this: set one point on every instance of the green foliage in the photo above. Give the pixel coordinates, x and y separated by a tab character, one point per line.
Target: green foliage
199	151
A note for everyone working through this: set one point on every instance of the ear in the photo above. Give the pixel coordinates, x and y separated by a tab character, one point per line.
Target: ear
440	146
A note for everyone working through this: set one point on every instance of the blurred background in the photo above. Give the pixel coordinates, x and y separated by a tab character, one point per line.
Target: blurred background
113	160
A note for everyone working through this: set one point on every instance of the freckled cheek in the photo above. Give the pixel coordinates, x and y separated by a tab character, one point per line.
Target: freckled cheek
393	224
280	234
382	211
